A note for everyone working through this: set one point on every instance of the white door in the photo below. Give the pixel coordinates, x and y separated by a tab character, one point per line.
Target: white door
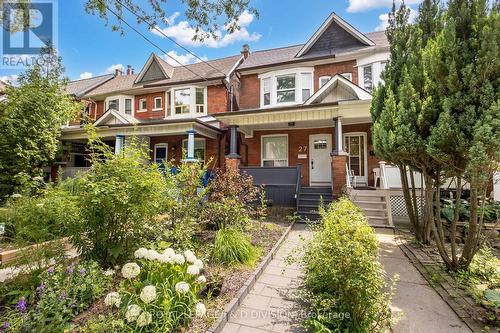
355	146
320	169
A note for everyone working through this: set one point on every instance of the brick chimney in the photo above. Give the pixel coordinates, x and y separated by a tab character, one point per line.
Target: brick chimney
118	72
245	51
130	70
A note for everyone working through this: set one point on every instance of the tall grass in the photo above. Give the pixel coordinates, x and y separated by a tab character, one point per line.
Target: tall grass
232	246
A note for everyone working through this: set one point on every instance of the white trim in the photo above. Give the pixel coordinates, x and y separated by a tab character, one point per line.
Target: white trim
262	147
121	103
228	76
139	104
113	113
273	75
343	24
204	148
154	103
327	77
361	93
365	157
328	145
160	145
152	57
192	103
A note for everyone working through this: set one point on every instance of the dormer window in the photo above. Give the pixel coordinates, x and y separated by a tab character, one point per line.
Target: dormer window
286	87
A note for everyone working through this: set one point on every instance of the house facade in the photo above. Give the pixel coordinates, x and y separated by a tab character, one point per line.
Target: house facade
291	116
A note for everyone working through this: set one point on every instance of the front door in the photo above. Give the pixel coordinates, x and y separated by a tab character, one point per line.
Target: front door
320	169
355	146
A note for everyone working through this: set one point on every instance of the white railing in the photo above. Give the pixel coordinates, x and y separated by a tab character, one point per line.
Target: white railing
348	176
384	183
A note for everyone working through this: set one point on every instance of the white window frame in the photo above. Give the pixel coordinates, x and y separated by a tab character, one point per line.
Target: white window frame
324	77
121	102
140	109
192	103
363	77
348	76
160	145
161	103
204	100
365	155
299	85
262	159
184	142
131	106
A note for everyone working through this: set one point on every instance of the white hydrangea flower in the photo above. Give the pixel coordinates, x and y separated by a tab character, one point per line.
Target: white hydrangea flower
169	252
16	196
182	287
190	256
201	279
109	272
130	270
144	319
179	259
152	255
133	311
148	294
141	253
198	263
166	259
38	178
200	310
113	299
193	270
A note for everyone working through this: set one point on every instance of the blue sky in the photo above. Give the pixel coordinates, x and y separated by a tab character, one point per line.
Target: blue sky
90	48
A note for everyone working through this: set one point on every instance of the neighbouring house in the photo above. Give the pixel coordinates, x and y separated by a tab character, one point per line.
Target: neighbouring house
297	118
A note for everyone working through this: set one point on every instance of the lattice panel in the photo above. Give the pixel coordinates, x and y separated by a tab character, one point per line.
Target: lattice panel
399	207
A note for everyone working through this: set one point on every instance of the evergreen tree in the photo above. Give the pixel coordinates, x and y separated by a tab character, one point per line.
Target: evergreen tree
31	120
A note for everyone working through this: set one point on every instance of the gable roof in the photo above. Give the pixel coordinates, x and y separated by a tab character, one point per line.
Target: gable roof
113	117
350	89
154	69
79	88
333	26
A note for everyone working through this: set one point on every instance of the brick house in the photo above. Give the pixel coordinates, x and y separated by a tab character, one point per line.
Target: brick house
294	117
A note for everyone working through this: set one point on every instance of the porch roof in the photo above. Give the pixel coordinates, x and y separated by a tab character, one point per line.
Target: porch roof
299	116
159	127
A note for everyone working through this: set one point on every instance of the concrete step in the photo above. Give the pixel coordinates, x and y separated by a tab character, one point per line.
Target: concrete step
316	190
316	196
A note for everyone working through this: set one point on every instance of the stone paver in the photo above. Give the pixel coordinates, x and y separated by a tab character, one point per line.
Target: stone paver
420	308
272	304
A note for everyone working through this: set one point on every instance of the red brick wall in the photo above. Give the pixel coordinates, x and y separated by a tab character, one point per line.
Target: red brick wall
335	68
217	97
149	114
300	137
100	110
249	92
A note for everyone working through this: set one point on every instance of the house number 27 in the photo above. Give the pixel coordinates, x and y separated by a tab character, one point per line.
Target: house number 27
302	149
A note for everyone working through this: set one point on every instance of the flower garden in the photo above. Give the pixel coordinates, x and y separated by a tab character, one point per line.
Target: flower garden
130	247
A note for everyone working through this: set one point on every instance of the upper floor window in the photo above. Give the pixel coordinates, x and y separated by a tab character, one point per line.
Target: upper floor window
158	103
200	100
128	106
143	105
182	99
368	77
284	87
114	104
323	80
187	102
347	76
120	103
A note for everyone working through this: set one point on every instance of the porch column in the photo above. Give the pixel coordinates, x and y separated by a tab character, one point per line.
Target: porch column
339	160
233	158
119	143
190	146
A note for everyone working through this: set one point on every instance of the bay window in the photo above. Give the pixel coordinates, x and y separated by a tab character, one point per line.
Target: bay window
285	87
266	89
306	86
368	77
128	106
274	150
182	99
200	100
186	102
120	103
114	104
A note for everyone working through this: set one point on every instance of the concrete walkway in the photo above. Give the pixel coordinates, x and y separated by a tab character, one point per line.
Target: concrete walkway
421	309
273	304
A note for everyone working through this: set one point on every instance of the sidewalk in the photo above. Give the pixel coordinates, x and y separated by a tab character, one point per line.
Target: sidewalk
422	310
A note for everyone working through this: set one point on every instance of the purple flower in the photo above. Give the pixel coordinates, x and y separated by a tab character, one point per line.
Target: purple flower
40	288
70	269
21	305
5	325
74	304
50	270
83	271
62	295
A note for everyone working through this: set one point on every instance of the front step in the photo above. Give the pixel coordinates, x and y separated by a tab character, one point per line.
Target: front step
309	201
374	205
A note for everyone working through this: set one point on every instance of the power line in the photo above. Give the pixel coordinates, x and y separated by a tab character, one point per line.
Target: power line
168	37
148	40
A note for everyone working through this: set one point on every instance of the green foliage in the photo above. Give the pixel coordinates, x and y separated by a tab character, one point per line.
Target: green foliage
343	276
30	123
64	292
103	324
159	292
232	246
119	199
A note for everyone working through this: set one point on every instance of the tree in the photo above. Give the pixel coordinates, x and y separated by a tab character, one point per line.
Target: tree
401	119
31	120
203	13
462	71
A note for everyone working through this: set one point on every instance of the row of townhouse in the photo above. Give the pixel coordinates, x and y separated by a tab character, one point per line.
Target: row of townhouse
296	112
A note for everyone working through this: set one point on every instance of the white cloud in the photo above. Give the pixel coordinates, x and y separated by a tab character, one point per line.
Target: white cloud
86	75
384	19
183	59
11	79
183	33
356	6
111	69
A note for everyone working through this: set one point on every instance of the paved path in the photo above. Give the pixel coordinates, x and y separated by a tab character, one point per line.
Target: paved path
421	308
272	305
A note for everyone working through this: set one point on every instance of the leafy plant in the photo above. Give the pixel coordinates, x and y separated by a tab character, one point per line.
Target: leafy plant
232	246
343	276
64	291
159	292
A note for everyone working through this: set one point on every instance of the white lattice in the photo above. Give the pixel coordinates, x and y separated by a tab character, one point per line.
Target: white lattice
398	205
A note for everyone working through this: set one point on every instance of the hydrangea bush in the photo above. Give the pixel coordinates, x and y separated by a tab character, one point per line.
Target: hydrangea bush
159	292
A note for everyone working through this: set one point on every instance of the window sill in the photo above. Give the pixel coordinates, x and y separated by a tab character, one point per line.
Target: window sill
160	109
142	110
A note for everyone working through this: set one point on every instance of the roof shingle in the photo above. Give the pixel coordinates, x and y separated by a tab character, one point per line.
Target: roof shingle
81	87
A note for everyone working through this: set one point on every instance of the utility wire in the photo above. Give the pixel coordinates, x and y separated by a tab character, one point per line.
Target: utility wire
168	37
148	40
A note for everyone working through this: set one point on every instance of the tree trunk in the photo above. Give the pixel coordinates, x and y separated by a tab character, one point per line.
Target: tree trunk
429	211
473	232
408	202
456	216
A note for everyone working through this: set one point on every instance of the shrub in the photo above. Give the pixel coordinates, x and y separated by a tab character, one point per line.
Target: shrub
232	246
343	276
64	292
119	198
159	293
